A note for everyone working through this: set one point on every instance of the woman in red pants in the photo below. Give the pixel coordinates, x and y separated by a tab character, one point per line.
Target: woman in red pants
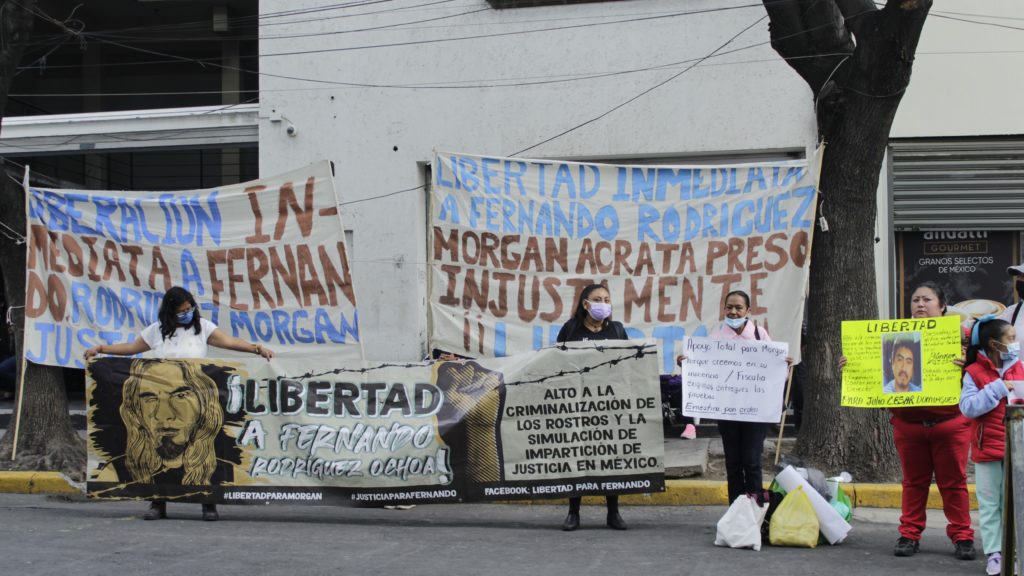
932	440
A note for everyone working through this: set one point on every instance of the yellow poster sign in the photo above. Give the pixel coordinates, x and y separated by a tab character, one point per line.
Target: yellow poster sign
899	363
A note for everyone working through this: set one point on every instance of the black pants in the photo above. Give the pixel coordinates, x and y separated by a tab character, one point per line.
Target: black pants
743	443
612	501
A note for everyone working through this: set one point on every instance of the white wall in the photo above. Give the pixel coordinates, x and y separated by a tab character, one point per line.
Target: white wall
967	81
967	77
747	101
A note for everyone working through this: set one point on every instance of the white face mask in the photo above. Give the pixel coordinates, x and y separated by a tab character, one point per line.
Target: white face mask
735	323
1012	352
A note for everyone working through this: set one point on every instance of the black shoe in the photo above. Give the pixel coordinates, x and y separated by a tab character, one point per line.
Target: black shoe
572	522
157	511
964	550
615	521
210	512
907	547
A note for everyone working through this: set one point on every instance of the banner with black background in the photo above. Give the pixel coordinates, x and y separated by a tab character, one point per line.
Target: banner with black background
576	420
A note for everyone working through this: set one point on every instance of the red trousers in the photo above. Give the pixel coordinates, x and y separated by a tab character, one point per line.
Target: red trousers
940	449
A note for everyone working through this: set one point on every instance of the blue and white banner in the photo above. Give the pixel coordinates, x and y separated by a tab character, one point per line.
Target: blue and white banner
514	241
265	261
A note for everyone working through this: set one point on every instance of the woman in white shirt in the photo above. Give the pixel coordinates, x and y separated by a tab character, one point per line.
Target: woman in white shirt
179	332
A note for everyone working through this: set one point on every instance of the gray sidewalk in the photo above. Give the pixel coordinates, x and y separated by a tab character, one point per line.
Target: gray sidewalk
46	536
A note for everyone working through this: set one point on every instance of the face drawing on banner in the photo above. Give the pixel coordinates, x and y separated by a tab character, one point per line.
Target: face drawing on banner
172	416
470	416
902	363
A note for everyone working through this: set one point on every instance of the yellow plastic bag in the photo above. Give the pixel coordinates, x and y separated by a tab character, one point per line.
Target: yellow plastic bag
794	522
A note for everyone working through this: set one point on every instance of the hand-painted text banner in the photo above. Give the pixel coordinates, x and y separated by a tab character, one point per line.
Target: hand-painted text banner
265	260
514	241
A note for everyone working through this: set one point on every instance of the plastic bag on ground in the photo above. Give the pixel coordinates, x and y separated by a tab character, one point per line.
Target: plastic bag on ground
816	478
842	504
740	526
775	494
794	522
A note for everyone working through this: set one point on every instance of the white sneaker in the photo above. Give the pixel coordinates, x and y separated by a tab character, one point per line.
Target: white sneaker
995	564
689	433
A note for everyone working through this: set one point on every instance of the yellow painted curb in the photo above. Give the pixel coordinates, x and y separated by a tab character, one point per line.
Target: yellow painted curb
715	493
683	493
890	496
677	492
36	483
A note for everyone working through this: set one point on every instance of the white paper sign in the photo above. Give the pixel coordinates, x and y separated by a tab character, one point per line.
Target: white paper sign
734	379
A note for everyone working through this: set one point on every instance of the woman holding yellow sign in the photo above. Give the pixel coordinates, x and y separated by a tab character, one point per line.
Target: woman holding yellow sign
931	440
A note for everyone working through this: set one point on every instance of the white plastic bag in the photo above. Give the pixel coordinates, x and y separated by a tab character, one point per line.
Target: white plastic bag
740	527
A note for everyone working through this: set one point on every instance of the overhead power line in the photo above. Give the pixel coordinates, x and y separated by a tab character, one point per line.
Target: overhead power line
644	93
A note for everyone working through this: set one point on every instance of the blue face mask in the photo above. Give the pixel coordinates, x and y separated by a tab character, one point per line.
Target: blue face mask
1012	352
185	318
735	323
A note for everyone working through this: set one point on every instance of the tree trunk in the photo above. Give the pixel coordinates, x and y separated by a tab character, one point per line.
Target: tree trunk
46	439
858	87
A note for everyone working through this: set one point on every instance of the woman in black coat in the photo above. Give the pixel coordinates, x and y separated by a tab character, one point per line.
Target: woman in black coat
591	320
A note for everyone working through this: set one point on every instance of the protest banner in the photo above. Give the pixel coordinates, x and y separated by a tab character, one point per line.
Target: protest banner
898	363
585	419
514	242
741	380
265	260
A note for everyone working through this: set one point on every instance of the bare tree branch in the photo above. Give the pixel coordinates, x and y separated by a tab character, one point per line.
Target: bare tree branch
854	8
854	11
810	28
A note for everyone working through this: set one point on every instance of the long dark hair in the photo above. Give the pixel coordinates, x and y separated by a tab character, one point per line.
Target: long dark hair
167	316
987	331
580	312
940	294
199	459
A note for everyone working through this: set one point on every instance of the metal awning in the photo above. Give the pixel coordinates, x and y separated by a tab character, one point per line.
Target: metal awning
193	127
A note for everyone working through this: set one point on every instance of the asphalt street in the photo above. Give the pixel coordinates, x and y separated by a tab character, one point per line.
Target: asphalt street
45	535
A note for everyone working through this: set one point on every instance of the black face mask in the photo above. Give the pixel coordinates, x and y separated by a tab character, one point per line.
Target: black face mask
1019	285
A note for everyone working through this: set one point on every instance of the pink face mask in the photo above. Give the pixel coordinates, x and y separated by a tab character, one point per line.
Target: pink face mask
600	311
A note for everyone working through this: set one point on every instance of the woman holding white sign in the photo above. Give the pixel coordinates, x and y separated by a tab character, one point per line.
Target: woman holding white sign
742	442
179	332
591	320
932	441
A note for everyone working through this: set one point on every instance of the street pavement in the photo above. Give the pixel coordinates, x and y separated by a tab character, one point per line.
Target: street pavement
42	535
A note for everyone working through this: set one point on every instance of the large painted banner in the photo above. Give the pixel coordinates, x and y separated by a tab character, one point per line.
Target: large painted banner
894	363
265	260
583	419
514	241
